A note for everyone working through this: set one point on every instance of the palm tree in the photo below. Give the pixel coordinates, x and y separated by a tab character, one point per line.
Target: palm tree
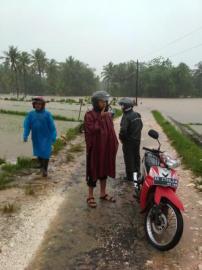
11	58
24	62
108	74
52	72
39	62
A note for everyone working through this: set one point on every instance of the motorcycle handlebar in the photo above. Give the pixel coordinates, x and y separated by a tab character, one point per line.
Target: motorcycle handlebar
152	150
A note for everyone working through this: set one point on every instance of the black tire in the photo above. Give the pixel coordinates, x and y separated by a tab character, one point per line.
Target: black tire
177	235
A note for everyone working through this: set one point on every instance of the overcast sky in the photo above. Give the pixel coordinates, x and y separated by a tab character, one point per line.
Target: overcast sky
100	31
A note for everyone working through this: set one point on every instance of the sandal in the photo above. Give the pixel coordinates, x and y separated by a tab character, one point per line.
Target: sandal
108	198
91	202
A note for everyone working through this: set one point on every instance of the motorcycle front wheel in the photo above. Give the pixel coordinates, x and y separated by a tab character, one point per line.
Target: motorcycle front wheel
163	225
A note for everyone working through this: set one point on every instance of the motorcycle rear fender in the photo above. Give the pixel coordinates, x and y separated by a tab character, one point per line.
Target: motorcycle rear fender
167	193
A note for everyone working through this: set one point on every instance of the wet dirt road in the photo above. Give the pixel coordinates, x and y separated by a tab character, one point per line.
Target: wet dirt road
112	236
106	238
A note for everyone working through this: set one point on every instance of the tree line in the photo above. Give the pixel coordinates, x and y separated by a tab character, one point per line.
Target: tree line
33	73
157	78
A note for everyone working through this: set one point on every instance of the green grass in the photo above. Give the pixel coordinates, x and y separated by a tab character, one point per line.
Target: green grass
9	208
69	157
58	145
72	133
195	124
56	117
22	163
5	179
69	136
191	153
76	148
8	171
117	112
2	161
29	190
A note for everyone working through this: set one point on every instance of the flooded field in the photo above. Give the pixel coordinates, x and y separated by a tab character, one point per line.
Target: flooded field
64	109
186	111
11	130
197	129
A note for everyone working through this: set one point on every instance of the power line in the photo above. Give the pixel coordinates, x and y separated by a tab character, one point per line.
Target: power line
175	41
189	49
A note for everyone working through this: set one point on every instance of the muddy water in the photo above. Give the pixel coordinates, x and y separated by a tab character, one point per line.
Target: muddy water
187	110
64	109
197	128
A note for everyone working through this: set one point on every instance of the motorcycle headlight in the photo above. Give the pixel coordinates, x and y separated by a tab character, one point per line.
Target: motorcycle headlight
170	162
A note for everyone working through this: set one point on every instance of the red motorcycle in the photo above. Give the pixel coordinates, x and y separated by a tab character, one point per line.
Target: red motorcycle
156	191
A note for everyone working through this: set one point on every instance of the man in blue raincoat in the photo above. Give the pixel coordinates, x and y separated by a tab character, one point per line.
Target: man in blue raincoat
41	124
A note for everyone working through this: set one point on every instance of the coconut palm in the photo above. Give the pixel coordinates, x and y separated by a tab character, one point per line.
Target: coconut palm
11	58
108	74
24	62
39	62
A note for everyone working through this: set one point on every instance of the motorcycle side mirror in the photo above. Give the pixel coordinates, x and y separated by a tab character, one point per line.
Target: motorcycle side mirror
154	134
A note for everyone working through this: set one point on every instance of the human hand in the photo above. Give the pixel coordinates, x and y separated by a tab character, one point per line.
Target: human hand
25	140
103	112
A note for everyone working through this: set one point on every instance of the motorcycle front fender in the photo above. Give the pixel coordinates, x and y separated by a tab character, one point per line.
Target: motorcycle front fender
167	193
147	185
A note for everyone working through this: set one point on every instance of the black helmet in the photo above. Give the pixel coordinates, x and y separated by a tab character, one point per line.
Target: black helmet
126	102
99	95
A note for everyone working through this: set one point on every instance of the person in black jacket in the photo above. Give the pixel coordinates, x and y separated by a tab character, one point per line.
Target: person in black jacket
130	136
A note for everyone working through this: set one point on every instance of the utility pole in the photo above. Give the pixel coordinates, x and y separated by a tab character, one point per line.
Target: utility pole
137	83
81	103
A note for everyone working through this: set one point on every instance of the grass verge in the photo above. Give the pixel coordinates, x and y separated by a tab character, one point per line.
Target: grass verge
76	148
2	161
9	208
69	157
69	136
190	152
8	171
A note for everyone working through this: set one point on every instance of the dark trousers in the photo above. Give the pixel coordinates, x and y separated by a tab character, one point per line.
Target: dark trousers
131	152
43	164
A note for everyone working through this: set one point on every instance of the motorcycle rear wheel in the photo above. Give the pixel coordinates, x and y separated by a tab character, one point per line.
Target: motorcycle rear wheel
154	230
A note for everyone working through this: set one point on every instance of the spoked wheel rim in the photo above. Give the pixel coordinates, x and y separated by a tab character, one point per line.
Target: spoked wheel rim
162	227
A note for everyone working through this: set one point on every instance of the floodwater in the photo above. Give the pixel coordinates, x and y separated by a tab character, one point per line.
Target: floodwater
184	110
11	130
57	108
197	129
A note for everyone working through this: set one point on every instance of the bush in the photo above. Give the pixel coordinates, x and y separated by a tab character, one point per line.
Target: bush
2	161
